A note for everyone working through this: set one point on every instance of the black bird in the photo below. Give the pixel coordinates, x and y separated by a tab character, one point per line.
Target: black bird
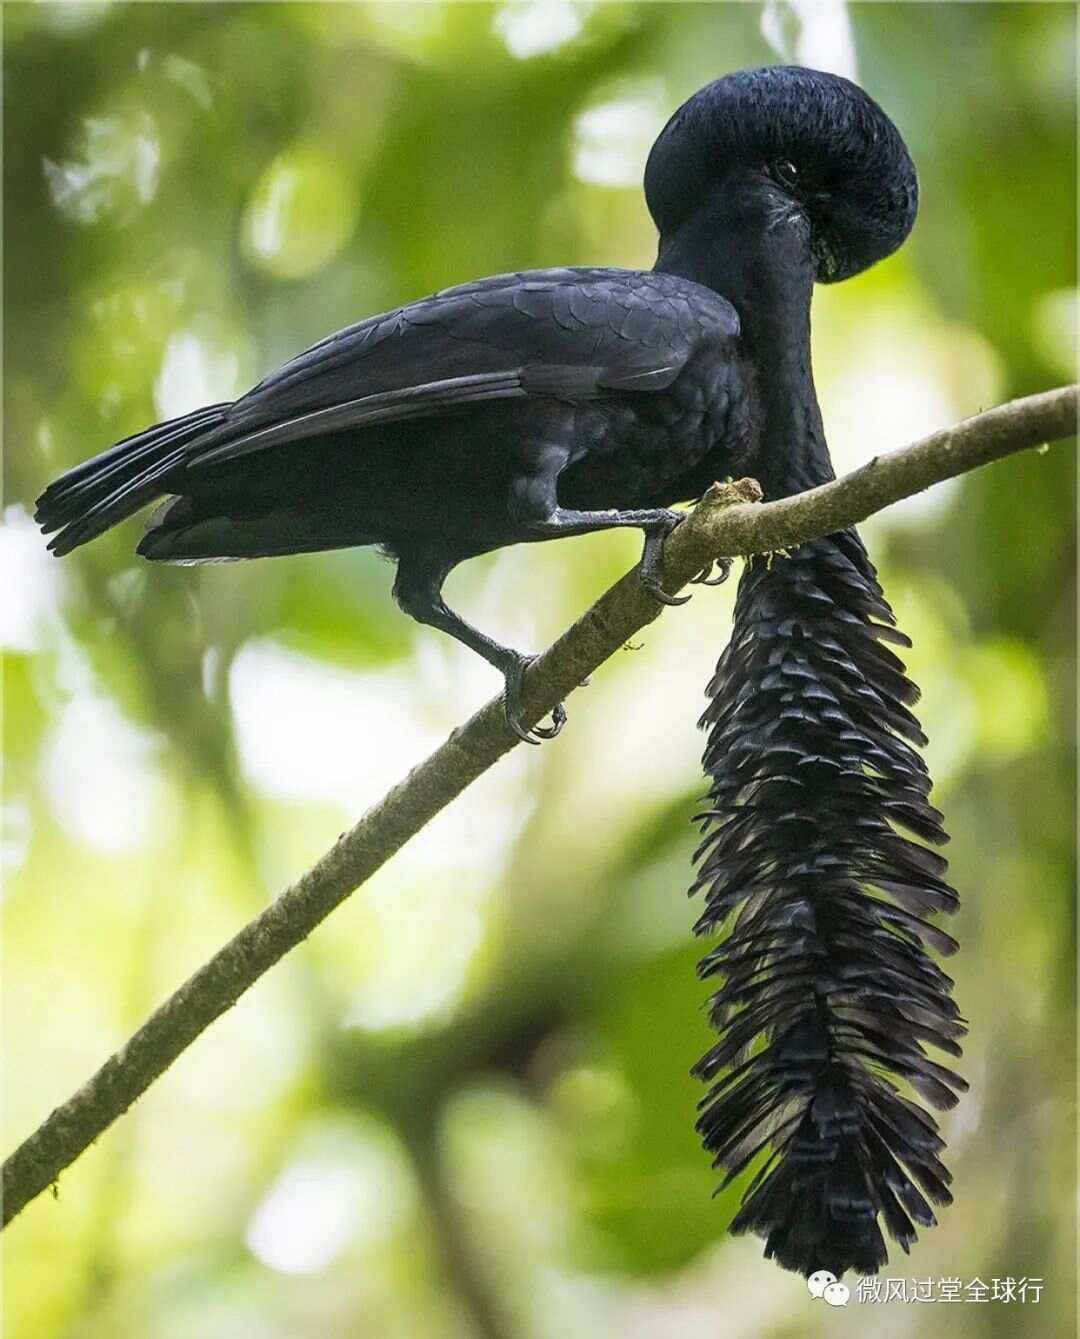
556	402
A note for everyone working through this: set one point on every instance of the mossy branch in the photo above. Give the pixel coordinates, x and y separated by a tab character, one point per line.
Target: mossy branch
729	521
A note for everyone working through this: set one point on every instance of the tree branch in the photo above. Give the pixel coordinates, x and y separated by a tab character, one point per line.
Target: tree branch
729	521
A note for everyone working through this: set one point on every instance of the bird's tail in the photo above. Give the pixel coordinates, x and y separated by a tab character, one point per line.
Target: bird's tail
112	486
815	862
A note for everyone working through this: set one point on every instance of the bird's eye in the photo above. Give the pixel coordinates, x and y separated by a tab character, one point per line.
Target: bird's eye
785	172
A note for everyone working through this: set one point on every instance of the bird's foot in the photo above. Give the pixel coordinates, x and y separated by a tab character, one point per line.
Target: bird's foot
652	565
706	578
513	705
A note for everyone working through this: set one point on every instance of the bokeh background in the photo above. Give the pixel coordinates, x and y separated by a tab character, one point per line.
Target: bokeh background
463	1107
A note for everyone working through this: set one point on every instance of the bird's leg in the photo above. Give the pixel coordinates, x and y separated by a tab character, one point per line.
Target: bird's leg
534	504
418	590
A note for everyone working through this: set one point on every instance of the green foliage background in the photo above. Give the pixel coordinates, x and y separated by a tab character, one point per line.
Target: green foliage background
464	1106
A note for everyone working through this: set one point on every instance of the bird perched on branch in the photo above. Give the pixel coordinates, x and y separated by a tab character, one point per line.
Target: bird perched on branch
557	402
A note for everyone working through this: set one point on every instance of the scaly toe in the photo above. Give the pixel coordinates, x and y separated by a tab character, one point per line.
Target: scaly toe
513	707
652	563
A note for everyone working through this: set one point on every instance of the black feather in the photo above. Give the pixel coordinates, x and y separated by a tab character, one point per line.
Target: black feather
829	995
101	492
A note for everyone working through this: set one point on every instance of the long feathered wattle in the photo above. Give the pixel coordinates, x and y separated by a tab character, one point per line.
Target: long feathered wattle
829	995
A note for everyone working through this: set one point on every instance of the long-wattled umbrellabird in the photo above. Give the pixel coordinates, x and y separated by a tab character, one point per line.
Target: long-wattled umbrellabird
558	402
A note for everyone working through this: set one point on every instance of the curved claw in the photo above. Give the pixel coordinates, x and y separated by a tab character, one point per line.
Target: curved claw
656	590
705	577
558	720
513	706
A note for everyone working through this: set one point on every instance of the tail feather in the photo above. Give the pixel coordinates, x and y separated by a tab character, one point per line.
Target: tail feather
829	995
101	492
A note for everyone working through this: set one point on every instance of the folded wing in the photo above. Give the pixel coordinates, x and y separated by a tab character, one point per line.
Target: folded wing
572	334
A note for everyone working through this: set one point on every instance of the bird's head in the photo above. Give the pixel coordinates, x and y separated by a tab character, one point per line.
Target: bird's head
791	149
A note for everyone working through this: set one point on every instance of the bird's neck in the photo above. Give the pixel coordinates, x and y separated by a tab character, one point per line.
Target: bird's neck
769	283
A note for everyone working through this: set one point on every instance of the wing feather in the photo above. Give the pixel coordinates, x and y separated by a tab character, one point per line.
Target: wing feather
567	334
